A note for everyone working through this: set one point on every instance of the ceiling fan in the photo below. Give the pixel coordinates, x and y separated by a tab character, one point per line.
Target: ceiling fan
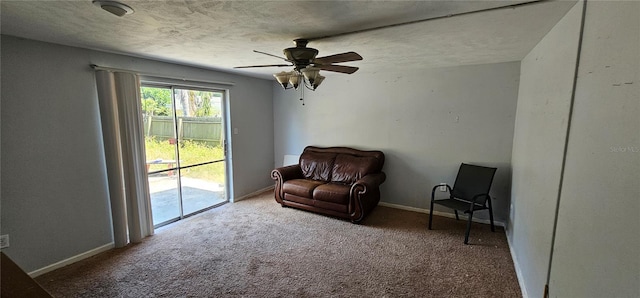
306	67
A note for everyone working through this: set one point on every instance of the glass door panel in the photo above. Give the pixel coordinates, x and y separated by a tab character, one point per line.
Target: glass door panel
201	138
203	187
160	145
184	138
165	199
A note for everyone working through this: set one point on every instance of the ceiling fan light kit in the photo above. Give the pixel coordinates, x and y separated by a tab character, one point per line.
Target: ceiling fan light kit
310	77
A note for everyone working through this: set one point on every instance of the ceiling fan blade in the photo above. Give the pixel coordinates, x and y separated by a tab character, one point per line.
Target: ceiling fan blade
272	55
269	65
338	68
337	58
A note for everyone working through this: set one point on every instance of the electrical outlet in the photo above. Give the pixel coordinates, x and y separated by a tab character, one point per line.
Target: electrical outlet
443	187
4	241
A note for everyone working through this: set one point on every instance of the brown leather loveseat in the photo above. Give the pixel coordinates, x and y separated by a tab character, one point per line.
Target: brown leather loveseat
336	181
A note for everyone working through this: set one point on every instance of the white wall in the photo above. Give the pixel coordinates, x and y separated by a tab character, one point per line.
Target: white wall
544	100
54	191
426	122
597	246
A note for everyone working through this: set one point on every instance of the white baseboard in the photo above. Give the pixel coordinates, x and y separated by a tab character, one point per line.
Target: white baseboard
257	192
523	289
439	213
72	260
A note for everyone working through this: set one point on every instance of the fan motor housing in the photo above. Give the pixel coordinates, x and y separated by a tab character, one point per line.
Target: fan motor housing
300	57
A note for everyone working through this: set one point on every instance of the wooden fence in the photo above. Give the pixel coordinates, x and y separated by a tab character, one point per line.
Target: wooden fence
200	129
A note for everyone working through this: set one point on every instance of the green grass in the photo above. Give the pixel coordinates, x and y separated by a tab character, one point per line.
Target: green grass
191	152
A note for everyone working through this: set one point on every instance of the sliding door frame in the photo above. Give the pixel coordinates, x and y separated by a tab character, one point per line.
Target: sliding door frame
154	82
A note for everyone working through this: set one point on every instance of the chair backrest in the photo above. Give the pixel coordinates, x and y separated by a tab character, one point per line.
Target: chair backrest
473	180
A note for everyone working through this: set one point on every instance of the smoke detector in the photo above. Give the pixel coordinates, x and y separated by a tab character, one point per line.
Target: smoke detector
114	7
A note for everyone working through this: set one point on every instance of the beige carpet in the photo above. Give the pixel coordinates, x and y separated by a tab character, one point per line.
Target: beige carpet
255	248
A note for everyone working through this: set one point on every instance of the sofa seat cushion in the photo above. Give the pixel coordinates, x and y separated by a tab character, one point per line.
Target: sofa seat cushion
332	192
301	187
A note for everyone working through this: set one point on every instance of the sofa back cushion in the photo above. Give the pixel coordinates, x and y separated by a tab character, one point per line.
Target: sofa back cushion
349	168
317	165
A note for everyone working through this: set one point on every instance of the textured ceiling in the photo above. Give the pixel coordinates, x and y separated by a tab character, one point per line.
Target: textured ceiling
221	35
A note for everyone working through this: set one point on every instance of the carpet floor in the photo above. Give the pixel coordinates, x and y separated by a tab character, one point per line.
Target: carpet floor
255	248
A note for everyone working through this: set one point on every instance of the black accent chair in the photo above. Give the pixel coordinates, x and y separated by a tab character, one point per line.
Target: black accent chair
470	193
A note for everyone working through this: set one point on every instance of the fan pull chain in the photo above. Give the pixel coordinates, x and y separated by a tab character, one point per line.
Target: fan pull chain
302	95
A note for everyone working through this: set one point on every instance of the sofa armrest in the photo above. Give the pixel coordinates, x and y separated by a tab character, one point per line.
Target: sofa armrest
280	175
365	195
287	173
368	181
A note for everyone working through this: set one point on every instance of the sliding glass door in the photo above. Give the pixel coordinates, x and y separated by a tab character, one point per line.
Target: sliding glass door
185	150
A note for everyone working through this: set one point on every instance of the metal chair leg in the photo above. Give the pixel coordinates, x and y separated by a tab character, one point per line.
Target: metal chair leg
430	213
466	234
493	229
456	212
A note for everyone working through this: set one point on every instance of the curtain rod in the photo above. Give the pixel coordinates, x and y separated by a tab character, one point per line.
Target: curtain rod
97	67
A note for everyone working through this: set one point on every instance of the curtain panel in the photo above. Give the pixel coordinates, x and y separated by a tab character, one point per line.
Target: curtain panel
123	137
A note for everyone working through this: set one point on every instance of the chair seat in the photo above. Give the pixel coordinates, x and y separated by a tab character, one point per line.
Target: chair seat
458	204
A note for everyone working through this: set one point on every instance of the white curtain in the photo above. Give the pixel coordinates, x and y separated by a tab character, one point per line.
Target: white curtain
119	98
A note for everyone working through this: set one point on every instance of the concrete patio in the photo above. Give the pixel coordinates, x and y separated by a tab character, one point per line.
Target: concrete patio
197	194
